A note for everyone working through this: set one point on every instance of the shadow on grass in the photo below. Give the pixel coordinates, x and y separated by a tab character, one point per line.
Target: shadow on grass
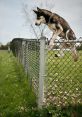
70	111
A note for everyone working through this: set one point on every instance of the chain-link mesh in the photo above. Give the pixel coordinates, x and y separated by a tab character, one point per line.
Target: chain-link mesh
33	63
63	82
27	52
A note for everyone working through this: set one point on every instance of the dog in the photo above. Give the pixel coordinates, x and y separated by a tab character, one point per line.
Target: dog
59	26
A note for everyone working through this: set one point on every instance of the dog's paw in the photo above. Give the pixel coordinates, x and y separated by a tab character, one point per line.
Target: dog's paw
76	58
59	55
51	46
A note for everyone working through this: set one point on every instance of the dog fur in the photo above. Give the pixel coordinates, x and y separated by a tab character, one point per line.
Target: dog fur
59	26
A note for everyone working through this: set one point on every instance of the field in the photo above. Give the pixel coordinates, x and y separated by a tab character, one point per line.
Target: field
64	79
16	97
63	84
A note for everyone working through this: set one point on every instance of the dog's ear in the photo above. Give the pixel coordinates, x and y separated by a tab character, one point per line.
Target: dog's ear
38	9
35	11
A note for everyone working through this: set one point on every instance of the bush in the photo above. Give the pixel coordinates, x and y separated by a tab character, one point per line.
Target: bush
3	47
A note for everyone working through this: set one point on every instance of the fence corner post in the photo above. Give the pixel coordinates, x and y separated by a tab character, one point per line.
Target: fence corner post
41	72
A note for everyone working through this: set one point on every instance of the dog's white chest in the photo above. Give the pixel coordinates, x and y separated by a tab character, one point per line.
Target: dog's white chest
52	27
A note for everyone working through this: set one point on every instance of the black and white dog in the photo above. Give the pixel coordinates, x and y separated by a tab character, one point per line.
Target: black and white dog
59	27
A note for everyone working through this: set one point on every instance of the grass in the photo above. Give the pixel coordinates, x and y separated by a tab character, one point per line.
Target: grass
63	82
16	97
64	79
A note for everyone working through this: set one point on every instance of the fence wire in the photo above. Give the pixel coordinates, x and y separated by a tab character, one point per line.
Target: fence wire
33	63
27	52
62	81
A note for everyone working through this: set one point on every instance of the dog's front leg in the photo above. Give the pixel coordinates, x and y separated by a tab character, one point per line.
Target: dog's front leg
51	44
54	36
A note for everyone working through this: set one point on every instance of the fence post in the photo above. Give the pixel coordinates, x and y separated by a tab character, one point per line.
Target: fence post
23	53
41	72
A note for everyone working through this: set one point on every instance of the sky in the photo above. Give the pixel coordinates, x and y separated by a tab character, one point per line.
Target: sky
14	23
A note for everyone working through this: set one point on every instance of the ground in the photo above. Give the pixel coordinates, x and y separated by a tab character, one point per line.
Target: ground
18	100
15	93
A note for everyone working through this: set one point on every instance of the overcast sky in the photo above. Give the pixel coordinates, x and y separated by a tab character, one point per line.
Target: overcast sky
12	19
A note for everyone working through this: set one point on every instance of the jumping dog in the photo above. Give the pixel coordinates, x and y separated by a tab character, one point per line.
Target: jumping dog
59	26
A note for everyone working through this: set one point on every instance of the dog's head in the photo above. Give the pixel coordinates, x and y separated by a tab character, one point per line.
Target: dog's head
40	16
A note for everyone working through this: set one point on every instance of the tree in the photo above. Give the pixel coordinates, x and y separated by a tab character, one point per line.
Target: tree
0	44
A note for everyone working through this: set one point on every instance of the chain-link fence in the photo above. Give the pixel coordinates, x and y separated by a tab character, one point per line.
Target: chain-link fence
27	52
63	82
56	78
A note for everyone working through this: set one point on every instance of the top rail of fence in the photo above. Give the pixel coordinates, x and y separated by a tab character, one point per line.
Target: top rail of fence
56	40
23	39
68	41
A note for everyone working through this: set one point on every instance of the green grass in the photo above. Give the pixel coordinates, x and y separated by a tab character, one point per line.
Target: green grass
63	86
64	80
16	97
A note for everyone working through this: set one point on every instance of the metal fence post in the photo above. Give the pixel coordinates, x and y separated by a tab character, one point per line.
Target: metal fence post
41	72
23	53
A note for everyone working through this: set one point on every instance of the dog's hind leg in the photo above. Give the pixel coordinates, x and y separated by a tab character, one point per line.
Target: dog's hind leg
74	53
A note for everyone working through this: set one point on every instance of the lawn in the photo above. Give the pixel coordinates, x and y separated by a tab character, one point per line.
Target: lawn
62	87
63	83
16	97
